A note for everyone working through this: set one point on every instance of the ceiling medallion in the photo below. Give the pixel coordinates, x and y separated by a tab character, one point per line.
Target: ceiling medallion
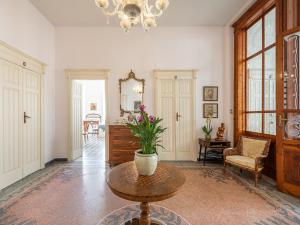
132	12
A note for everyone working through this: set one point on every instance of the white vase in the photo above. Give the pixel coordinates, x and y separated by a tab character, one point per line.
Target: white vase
145	163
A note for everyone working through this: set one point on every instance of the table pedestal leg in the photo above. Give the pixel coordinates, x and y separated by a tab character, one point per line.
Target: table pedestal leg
145	218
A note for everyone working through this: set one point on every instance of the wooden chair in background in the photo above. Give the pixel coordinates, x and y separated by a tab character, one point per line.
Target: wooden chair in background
248	155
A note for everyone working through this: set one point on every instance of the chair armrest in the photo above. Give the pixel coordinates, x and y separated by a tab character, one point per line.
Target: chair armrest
230	151
259	161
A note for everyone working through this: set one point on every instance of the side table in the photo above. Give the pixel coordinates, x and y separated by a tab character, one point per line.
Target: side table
211	144
124	181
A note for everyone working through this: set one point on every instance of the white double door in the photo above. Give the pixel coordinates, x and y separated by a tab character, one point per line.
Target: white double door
20	123
175	104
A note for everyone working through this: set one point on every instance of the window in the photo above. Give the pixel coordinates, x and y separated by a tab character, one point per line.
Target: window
260	63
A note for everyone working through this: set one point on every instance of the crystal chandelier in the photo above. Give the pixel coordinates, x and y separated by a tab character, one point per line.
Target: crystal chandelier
132	12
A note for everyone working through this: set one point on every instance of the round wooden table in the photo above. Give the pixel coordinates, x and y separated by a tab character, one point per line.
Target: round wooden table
125	182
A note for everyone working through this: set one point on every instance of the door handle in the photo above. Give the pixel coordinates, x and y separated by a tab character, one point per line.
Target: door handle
26	117
177	116
281	120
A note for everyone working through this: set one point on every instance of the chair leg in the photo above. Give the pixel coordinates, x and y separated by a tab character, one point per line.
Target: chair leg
224	169
256	179
241	171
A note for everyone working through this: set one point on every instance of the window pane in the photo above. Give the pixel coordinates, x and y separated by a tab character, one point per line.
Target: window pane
254	84
270	28
254	122
254	38
270	79
270	123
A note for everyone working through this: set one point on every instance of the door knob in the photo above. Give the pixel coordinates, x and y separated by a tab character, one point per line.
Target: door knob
177	116
281	121
26	117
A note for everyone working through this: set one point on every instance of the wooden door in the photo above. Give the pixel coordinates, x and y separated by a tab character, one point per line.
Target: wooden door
76	125
185	139
165	109
10	123
31	122
288	130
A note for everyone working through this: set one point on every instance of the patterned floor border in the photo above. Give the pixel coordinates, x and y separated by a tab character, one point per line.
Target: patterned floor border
178	220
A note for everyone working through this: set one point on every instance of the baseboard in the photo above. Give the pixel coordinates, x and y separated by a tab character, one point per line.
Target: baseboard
56	160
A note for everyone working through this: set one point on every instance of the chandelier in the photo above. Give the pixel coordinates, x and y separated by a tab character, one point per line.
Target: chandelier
132	12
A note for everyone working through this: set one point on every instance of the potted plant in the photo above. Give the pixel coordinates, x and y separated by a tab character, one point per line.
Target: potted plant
207	129
147	128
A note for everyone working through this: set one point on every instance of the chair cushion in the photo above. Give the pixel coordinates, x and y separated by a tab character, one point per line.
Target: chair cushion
242	161
252	147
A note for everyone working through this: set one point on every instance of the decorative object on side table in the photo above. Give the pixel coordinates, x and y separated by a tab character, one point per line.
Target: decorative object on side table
220	132
207	129
148	130
210	93
210	110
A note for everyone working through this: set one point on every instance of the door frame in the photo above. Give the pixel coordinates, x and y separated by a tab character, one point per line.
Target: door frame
157	74
86	74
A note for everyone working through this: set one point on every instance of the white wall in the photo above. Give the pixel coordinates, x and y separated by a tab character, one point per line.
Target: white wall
23	27
199	48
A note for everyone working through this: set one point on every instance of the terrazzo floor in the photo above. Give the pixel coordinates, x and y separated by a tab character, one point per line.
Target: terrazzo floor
76	193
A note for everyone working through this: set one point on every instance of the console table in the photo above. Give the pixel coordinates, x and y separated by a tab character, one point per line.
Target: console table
124	181
211	144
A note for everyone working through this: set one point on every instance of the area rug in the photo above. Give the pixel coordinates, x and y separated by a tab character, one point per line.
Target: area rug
160	214
76	194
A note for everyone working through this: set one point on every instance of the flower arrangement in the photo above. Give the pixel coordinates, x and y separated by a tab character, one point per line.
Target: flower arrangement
207	129
147	129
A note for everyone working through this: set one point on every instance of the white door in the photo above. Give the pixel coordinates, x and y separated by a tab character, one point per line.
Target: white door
31	122
185	144
166	110
175	99
10	123
76	124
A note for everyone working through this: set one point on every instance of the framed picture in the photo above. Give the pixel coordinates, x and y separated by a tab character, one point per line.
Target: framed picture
137	105
93	106
210	93
210	109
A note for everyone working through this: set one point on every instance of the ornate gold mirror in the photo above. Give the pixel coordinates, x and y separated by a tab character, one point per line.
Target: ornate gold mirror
131	93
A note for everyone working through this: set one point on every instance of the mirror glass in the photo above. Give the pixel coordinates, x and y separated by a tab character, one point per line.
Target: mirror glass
131	91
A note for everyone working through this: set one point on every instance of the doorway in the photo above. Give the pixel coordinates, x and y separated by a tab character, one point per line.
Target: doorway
87	115
92	120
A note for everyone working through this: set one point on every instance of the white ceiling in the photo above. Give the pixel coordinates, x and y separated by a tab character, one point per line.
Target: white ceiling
180	12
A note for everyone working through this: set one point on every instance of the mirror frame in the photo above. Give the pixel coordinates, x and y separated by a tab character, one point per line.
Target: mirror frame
131	75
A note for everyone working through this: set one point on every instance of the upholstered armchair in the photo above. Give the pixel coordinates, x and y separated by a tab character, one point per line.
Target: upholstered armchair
248	155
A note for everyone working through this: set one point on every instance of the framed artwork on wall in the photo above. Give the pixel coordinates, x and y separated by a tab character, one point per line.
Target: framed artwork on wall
210	93
93	106
210	110
137	105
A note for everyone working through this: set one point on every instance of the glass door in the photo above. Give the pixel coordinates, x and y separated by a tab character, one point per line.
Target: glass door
288	139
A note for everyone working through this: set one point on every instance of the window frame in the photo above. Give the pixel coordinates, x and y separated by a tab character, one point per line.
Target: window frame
261	52
253	14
